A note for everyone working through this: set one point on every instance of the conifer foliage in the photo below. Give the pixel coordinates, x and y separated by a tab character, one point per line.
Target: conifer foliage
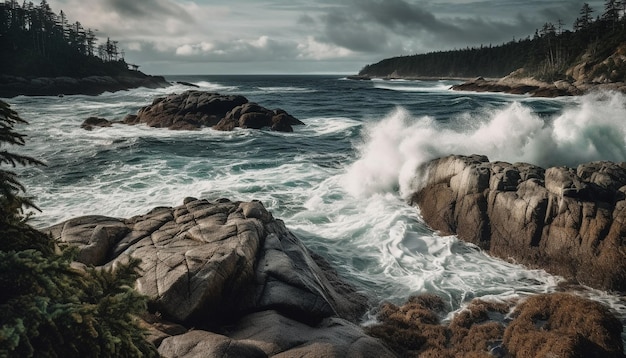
546	56
47	307
35	41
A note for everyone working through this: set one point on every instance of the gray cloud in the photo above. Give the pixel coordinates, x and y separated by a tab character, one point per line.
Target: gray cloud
147	8
295	35
402	25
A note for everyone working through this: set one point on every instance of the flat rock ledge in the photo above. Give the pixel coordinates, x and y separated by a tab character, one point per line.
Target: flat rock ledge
194	109
12	86
535	88
570	222
245	283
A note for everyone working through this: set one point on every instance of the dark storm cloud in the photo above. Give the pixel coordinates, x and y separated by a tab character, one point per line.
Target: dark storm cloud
148	8
306	20
345	30
375	25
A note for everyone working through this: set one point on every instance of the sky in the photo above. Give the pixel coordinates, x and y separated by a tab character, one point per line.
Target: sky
297	36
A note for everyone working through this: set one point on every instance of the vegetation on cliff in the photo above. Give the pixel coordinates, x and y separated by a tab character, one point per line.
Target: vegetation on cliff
35	41
47	306
595	44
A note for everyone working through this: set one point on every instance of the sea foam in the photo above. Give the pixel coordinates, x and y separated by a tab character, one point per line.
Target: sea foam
589	128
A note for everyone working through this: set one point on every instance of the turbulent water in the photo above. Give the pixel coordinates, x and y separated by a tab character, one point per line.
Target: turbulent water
339	182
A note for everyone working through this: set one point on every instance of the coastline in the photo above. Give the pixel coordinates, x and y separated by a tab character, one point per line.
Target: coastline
536	88
13	86
511	85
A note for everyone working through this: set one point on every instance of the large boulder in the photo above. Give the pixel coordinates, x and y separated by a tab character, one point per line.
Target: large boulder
251	115
210	264
271	334
571	222
192	109
196	109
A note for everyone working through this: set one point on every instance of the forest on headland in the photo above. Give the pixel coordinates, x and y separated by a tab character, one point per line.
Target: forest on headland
546	56
37	42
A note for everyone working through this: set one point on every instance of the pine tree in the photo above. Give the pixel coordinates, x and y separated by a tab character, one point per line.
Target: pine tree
611	11
48	308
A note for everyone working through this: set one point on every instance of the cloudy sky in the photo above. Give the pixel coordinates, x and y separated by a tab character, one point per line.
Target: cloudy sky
298	36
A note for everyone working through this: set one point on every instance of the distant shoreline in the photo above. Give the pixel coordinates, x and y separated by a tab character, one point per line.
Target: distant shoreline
13	86
510	85
408	78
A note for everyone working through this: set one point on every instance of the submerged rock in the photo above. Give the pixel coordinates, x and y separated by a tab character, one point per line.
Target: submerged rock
571	222
91	122
215	264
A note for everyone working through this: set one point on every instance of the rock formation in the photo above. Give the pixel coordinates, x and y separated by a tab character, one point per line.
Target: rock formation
547	325
91	122
571	222
236	274
514	85
195	109
11	86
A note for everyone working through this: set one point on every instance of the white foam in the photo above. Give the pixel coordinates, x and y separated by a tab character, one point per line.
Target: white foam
215	86
591	128
286	89
392	87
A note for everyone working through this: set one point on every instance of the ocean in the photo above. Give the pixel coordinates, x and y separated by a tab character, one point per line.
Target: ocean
340	182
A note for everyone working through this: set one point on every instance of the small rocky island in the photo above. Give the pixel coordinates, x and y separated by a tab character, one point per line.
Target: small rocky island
194	109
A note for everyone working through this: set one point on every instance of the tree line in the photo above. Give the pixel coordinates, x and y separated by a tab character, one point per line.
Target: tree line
547	55
36	41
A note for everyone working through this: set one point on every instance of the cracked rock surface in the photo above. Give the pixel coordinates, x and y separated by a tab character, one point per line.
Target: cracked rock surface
568	221
214	264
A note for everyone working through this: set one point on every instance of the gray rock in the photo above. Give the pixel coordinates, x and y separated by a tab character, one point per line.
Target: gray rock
91	122
271	334
196	109
211	261
203	344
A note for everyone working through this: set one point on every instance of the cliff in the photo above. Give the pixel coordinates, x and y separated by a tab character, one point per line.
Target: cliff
568	221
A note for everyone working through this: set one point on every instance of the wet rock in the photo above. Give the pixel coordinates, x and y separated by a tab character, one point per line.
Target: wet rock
570	222
520	86
251	115
194	109
210	264
91	122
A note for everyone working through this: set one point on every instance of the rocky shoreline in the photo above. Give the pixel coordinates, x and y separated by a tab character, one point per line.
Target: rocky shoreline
13	86
535	88
515	84
569	221
225	278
